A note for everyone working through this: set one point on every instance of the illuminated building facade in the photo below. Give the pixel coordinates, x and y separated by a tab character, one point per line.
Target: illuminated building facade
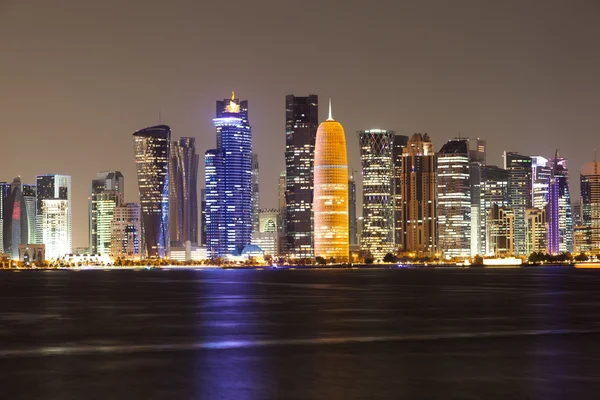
500	227
536	230
228	181
419	196
28	215
331	192
152	153
267	237
540	179
519	195
302	120
590	202
582	239
494	192
54	219
183	192
126	232
565	210
12	216
454	199
106	194
400	142
352	221
255	194
376	153
4	193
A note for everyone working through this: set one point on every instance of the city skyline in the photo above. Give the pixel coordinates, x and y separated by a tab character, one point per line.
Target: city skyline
91	88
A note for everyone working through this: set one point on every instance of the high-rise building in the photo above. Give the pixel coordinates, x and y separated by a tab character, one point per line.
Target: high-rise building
54	218
590	202
500	227
183	192
454	199
376	154
302	120
565	210
331	192
106	194
400	142
352	221
12	217
582	239
228	177
56	234
281	219
152	154
267	235
536	230
494	192
540	178
126	232
255	194
418	196
519	195
203	216
28	215
4	194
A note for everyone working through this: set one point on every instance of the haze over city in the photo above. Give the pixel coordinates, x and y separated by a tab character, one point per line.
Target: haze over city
79	78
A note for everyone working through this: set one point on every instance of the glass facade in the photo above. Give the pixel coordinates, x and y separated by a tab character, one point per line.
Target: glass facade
106	194
152	151
183	192
500	227
536	230
454	199
228	181
126	231
56	224
376	153
331	193
28	212
255	194
590	203
400	142
519	195
494	192
352	221
302	120
418	178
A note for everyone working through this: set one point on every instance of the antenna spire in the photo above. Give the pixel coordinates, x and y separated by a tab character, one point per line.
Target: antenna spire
330	117
160	117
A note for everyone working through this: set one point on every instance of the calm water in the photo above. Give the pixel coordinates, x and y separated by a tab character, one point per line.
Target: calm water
319	334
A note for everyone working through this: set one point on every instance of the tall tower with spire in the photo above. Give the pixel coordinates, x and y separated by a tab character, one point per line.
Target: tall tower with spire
331	192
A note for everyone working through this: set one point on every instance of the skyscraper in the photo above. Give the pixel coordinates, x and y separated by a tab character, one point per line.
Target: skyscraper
106	194
255	194
418	196
228	177
126	231
500	227
454	199
536	230
494	192
352	221
376	153
203	216
590	202
331	192
13	204
4	194
54	214
28	212
519	195
183	192
302	120
152	151
540	178
400	142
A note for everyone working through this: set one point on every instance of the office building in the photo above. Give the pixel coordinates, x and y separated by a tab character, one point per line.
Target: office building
255	193
28	215
331	192
183	192
267	237
519	195
418	182
126	232
536	230
107	192
152	154
228	178
493	192
376	154
302	120
54	218
352	221
590	202
400	142
540	179
500	227
203	216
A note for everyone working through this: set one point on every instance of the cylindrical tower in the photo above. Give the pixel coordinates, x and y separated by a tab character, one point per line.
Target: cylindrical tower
331	192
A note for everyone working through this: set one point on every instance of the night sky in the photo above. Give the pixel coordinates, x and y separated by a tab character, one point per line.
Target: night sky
78	77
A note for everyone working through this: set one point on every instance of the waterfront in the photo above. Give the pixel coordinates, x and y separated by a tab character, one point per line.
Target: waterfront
294	334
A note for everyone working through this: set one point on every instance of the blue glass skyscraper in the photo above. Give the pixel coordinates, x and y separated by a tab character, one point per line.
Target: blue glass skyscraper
228	179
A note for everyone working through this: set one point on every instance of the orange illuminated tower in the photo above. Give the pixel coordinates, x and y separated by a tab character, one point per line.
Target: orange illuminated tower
331	192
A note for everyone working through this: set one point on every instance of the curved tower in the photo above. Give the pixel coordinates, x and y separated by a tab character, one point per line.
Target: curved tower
331	192
152	146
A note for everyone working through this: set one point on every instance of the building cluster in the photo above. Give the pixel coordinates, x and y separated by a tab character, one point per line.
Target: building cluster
415	201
